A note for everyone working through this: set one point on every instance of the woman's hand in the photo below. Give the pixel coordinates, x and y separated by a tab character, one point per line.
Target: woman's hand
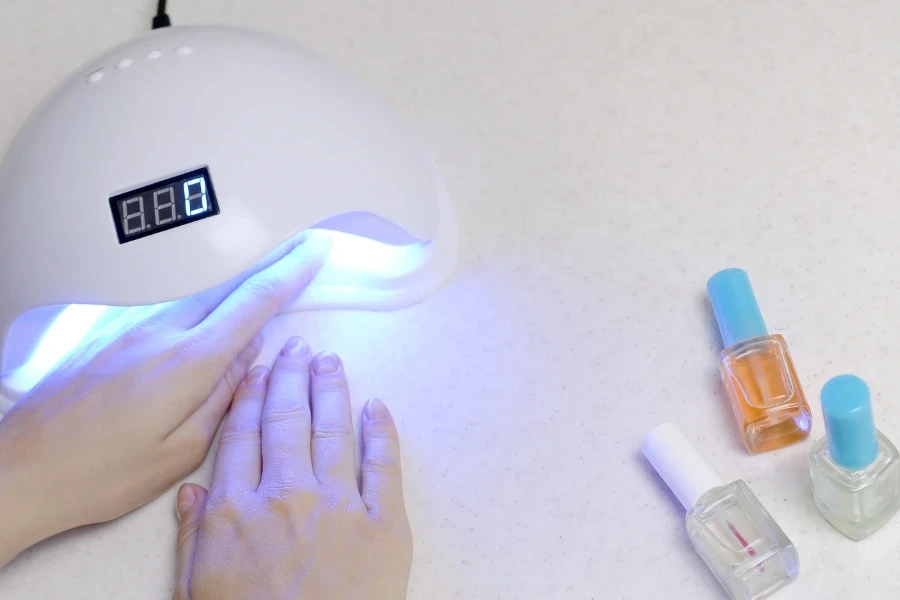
135	410
284	518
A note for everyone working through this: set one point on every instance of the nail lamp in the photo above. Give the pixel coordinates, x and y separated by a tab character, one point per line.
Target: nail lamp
178	161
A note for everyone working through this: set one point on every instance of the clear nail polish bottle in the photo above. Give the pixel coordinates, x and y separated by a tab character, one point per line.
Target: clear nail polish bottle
745	548
854	468
757	369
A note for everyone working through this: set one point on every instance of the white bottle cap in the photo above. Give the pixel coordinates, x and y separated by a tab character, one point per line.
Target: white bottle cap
676	460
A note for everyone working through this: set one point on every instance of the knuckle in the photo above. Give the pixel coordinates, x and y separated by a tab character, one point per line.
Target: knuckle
261	287
342	497
330	383
295	413
286	487
287	500
141	328
142	334
240	433
189	347
282	502
381	465
225	508
327	431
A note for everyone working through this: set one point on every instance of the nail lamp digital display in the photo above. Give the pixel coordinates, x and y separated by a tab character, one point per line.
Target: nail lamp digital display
179	160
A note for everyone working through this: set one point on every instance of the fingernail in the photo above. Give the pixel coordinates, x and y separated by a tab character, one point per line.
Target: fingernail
375	409
296	346
258	373
326	364
186	499
257	342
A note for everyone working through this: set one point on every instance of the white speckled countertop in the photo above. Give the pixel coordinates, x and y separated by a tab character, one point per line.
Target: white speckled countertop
606	158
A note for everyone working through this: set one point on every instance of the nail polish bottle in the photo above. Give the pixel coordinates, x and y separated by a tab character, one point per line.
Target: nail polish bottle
854	468
745	548
757	370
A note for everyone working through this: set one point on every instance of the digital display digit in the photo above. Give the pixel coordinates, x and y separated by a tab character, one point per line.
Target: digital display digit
164	205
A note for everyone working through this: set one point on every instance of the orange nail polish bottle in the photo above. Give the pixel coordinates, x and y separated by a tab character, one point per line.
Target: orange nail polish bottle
757	369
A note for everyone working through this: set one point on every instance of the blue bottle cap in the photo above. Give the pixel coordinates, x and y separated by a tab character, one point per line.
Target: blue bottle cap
849	424
737	312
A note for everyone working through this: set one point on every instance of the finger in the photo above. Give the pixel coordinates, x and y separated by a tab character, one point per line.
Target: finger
244	312
286	419
209	415
239	460
382	485
333	448
189	509
189	312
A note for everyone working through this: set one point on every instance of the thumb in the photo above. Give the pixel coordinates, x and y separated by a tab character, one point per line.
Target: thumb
189	508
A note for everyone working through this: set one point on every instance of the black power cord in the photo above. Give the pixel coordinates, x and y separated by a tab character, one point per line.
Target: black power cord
161	19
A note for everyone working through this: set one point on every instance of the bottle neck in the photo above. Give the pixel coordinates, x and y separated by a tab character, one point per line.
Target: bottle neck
714	496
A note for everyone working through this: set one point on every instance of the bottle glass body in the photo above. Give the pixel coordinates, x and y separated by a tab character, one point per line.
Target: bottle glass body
857	503
765	393
745	548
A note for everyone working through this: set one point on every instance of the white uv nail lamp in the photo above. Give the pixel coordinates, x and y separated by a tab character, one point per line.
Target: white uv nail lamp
177	161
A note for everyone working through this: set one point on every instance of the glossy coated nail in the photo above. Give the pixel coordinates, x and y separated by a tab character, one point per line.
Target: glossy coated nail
326	364
258	373
296	346
375	409
186	499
